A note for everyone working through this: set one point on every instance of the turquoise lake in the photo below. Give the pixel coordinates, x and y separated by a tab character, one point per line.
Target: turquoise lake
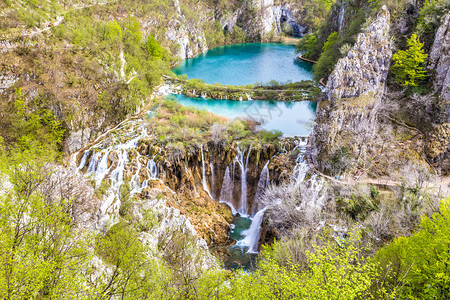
291	118
246	64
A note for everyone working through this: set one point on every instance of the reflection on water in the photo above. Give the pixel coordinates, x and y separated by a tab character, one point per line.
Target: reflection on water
291	118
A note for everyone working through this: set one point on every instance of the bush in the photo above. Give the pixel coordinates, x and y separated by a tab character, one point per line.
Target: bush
408	68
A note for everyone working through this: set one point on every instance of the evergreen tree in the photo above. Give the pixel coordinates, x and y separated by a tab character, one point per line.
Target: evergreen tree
408	67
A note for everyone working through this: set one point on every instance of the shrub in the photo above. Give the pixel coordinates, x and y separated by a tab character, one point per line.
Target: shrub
408	68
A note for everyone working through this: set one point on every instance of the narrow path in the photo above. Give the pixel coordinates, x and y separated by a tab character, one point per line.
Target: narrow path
307	60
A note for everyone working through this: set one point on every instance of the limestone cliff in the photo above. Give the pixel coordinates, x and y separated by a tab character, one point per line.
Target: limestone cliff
438	145
439	59
347	116
266	19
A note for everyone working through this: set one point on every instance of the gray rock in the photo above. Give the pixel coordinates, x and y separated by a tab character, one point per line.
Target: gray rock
439	59
347	118
77	139
366	66
6	81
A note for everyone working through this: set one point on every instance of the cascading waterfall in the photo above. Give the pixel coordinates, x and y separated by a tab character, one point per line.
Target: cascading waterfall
135	179
152	168
116	175
205	185
83	160
211	166
248	96
341	15
101	169
300	169
226	192
252	234
243	207
263	182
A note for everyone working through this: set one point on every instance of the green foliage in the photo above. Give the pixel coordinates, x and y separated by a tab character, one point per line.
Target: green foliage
330	42
337	270
154	49
408	67
133	275
419	266
238	35
307	45
41	254
325	63
270	136
359	205
430	17
29	124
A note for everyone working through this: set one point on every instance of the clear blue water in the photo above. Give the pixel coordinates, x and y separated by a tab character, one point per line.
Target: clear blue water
247	64
291	118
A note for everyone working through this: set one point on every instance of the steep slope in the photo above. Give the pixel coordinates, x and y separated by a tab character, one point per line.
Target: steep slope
347	117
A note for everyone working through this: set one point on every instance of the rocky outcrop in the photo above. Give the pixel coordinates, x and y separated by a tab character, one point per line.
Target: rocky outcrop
77	139
364	70
264	18
347	117
437	146
187	34
439	59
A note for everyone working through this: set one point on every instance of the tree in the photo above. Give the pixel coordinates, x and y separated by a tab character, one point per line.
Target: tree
41	253
154	48
420	264
340	269
408	68
308	45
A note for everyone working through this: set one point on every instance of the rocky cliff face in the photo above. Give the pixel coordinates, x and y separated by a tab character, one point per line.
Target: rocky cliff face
267	19
364	70
438	146
347	116
439	59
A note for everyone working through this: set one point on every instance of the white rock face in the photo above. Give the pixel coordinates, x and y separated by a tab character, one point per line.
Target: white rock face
268	18
77	139
354	90
189	35
366	66
6	81
439	59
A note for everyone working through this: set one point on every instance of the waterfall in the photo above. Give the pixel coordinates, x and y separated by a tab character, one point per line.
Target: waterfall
205	185
226	192
341	15
243	210
101	169
83	160
211	165
135	179
252	234
152	168
117	174
93	162
248	96
300	169
262	184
